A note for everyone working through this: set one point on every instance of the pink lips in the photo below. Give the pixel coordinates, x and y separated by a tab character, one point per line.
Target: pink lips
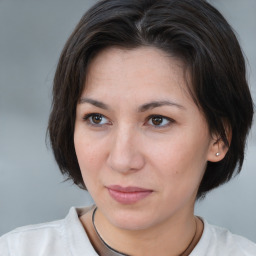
128	195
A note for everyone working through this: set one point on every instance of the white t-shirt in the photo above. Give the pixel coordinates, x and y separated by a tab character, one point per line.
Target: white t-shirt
67	238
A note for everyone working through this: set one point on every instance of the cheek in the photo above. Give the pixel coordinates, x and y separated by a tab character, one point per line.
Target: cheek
89	155
180	161
171	154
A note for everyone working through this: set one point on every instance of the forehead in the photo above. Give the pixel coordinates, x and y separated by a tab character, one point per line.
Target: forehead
143	56
139	67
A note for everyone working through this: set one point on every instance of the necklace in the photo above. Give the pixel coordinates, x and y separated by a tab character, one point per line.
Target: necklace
105	250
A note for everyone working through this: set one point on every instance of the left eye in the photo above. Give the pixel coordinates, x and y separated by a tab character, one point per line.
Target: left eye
159	121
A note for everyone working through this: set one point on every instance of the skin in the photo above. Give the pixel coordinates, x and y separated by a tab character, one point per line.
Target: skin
126	148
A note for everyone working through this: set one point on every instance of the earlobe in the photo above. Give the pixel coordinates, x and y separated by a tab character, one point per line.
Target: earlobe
217	150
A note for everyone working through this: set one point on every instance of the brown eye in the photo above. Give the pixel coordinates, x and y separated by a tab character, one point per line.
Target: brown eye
157	120
96	119
160	121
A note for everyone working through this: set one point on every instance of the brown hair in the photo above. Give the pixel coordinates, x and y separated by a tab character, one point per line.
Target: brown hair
191	30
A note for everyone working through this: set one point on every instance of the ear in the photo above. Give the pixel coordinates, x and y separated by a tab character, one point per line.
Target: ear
218	149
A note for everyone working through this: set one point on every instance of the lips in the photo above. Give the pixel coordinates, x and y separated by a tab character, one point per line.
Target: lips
128	195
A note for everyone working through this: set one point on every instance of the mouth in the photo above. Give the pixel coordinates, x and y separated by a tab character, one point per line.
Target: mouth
128	195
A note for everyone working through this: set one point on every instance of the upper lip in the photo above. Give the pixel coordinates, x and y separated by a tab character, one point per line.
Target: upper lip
128	189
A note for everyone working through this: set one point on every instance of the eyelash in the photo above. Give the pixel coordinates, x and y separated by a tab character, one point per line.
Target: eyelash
89	122
169	120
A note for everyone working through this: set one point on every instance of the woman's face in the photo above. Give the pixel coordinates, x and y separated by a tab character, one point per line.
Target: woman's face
141	142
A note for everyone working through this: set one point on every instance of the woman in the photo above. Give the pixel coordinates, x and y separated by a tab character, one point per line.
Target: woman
151	110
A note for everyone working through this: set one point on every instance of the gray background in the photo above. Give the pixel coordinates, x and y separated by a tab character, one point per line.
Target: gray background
32	34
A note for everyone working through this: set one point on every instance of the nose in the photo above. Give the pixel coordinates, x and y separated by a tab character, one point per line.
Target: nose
125	154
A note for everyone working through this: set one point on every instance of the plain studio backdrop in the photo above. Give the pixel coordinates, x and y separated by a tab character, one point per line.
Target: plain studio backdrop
32	34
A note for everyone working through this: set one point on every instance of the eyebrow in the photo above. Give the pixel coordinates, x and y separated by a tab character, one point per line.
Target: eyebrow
142	108
156	104
94	102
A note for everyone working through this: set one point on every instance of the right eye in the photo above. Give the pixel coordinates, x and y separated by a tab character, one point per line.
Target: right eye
96	119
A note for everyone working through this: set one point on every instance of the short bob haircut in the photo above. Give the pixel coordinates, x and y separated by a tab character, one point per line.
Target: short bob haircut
191	30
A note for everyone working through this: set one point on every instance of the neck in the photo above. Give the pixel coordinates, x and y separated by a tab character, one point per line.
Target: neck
171	237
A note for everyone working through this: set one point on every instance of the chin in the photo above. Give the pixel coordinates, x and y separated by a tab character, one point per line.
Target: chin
131	220
130	225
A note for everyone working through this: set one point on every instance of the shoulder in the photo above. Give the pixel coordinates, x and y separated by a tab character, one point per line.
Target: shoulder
234	244
32	238
64	237
220	241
